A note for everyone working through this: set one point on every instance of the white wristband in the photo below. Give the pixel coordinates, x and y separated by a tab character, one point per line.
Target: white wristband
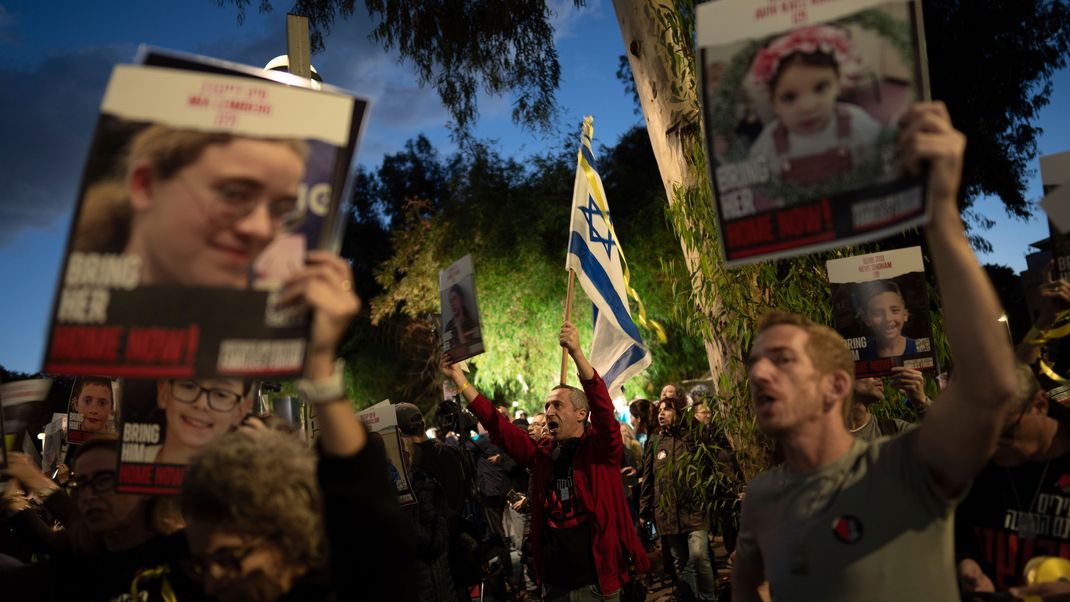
325	390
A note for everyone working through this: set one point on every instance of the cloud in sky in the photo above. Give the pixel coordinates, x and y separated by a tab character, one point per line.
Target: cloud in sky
48	123
48	115
566	19
7	26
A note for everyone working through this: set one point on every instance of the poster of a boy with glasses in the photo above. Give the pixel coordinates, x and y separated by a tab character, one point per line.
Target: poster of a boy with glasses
166	422
200	197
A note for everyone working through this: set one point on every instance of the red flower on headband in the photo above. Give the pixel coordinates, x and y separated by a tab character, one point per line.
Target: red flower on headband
806	40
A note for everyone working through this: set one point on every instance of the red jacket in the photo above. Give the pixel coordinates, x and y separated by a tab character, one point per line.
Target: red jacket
596	472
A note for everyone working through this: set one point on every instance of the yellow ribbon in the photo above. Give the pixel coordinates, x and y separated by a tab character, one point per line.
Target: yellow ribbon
596	192
1040	338
160	572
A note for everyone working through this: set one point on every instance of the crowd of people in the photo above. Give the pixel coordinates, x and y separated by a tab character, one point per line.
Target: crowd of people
569	503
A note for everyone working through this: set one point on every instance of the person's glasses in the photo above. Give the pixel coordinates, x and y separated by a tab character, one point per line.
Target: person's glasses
220	400
224	563
231	201
101	482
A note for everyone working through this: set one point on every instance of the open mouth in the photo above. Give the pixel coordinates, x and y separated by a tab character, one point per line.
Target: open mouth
552	425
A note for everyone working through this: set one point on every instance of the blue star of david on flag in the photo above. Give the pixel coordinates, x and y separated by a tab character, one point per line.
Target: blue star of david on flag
589	213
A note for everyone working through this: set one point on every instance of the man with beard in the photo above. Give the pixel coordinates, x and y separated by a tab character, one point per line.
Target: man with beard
841	519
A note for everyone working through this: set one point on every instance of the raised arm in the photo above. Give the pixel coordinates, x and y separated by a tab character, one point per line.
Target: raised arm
959	434
603	430
509	437
325	285
569	338
359	502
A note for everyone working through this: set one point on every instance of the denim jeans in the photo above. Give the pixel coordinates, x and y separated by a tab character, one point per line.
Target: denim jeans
694	571
589	593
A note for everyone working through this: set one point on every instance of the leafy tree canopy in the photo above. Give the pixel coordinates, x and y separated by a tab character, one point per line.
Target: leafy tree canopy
513	219
459	47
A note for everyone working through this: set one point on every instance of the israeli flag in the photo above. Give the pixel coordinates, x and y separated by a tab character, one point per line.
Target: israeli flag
617	350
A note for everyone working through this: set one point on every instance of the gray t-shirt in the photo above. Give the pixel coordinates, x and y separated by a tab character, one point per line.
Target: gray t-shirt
871	526
875	428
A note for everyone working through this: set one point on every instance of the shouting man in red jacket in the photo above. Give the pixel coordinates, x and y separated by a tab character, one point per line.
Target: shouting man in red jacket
581	531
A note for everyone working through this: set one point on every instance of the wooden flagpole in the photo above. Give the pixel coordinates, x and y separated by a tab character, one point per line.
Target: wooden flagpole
568	318
297	46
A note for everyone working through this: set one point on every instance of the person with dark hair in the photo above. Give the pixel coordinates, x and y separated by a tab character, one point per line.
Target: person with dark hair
433	580
881	307
642	419
842	519
1017	506
584	544
861	422
462	330
112	537
814	136
682	523
452	471
94	402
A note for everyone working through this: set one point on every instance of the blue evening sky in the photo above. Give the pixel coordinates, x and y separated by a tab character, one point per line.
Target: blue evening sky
55	58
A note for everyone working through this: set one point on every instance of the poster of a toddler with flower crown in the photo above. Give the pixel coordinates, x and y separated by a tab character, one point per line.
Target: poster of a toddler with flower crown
801	101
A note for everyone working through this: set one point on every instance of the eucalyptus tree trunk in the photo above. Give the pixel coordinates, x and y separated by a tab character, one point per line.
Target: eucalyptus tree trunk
658	45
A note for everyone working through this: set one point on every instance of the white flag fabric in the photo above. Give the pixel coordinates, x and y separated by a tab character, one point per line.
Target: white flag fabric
617	350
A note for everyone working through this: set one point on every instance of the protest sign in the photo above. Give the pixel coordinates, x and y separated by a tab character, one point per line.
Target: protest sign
18	404
52	449
881	307
382	418
92	409
462	336
801	102
201	193
164	423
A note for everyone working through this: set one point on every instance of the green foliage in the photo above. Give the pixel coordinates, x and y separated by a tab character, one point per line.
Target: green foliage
706	479
992	63
513	220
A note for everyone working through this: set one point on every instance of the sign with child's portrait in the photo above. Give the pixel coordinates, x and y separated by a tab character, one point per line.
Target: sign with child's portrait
165	423
801	102
382	420
462	335
880	305
200	196
93	408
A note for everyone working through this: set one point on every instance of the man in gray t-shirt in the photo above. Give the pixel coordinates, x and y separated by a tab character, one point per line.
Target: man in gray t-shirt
847	520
